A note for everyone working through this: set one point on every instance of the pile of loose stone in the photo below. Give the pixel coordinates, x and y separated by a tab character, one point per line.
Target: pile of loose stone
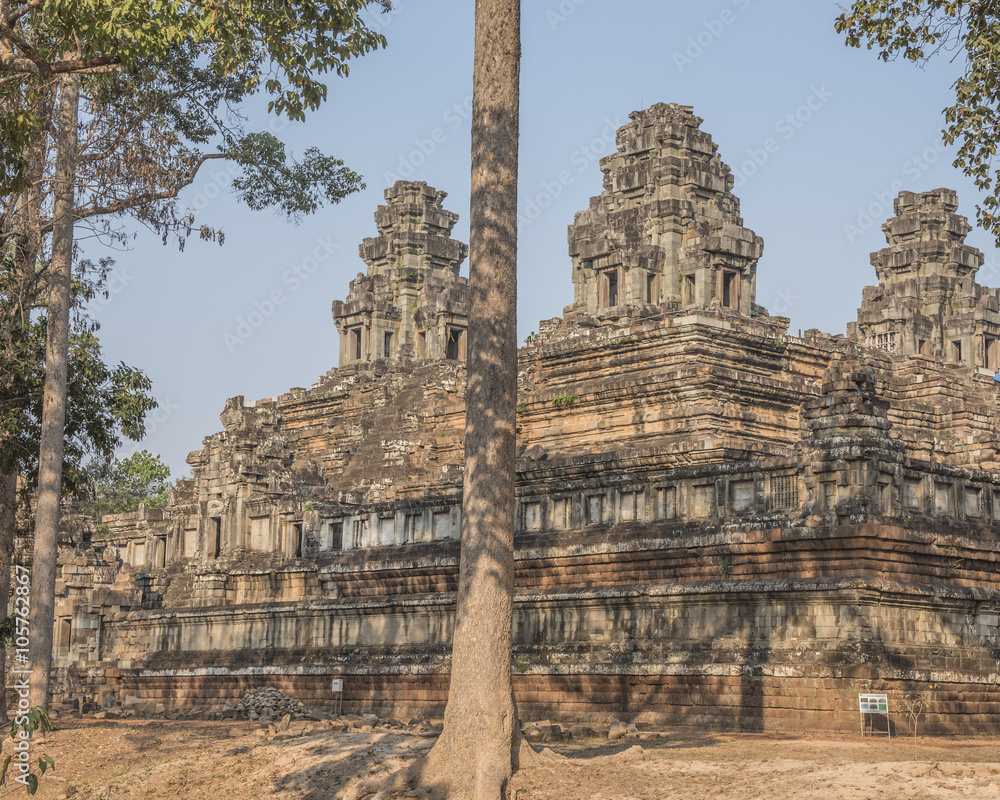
266	704
277	711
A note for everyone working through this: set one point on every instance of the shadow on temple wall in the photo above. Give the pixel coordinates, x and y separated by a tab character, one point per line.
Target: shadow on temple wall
756	656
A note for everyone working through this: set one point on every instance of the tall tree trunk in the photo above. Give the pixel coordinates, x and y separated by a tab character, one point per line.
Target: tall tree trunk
50	458
479	748
8	515
481	737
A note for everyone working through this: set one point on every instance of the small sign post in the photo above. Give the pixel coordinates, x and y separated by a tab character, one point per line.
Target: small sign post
871	704
338	689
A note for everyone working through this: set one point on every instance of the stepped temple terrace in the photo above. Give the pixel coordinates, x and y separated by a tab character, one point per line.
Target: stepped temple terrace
719	523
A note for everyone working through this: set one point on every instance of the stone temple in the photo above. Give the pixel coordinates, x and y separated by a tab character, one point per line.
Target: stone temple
720	524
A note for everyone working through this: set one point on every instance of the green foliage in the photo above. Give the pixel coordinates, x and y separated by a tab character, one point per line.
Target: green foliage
565	401
920	29
296	187
726	566
8	625
102	401
22	729
282	46
120	486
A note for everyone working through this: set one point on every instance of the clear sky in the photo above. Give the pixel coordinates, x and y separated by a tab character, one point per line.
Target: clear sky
821	138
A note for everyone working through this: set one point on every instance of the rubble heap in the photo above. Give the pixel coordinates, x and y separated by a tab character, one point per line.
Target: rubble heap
267	702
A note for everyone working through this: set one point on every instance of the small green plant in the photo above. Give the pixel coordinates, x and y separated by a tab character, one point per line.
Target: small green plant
413	304
308	506
22	729
522	407
565	401
777	343
7	626
521	663
726	566
915	704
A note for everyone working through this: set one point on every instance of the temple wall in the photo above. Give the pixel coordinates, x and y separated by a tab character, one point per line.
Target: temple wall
761	656
718	523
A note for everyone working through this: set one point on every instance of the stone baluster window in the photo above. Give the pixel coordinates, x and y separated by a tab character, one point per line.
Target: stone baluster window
784	492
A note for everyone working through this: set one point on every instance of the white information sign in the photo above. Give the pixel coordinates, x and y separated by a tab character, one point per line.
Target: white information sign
871	704
337	685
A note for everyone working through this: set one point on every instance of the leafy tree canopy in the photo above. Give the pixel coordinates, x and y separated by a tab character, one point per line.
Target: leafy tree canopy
119	486
104	402
282	46
920	29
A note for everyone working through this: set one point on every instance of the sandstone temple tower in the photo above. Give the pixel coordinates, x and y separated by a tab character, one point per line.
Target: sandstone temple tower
412	304
666	231
719	524
927	301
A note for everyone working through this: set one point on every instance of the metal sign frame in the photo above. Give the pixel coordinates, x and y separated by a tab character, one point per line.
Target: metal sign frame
871	704
337	687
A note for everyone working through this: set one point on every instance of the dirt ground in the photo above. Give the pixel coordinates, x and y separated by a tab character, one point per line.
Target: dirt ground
161	760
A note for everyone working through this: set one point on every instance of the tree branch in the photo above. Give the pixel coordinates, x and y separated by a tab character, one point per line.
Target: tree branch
138	200
22	10
42	67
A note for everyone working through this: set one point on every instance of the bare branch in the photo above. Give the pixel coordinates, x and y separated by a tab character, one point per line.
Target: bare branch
139	200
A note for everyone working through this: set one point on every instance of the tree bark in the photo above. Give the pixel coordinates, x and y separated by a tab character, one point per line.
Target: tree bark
479	748
482	734
8	514
50	458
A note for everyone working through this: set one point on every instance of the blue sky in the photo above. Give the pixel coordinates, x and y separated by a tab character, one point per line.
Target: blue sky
821	138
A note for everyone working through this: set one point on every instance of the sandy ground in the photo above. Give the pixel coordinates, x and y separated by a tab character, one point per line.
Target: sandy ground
158	760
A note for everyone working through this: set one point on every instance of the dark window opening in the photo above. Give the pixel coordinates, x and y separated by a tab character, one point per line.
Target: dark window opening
612	286
161	551
215	532
921	346
356	343
422	345
957	347
729	289
455	343
991	353
336	535
651	288
297	539
387	345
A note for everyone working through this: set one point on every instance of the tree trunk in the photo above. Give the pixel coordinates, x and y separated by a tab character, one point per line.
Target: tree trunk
50	458
481	737
8	516
478	749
